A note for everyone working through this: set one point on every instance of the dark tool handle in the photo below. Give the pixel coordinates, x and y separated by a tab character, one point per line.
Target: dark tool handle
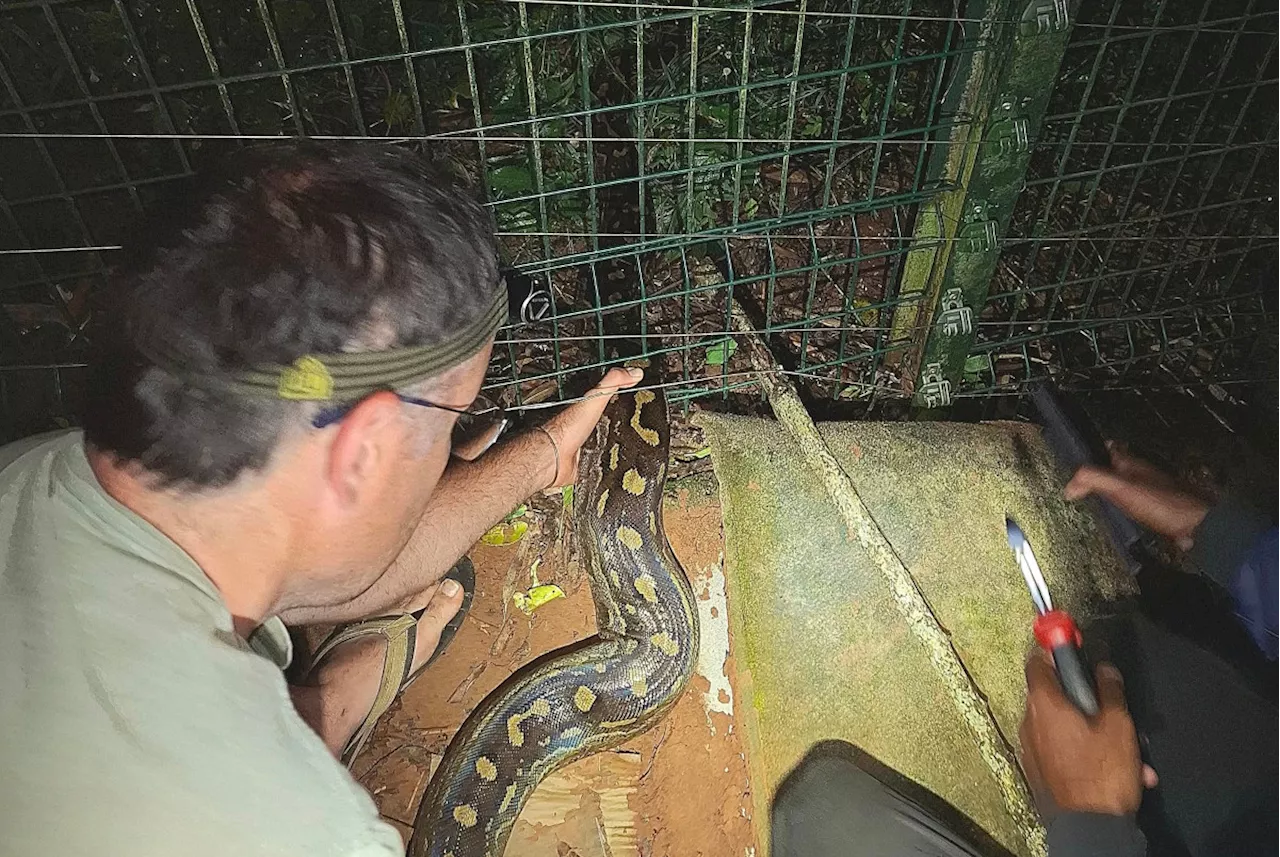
1075	442
1077	684
1057	634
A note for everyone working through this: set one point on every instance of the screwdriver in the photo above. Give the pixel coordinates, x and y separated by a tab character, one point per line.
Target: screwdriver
1054	630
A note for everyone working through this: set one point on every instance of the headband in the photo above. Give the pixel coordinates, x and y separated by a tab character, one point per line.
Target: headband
348	376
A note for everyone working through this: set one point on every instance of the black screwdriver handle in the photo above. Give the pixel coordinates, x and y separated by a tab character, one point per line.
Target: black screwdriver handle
1073	674
1057	634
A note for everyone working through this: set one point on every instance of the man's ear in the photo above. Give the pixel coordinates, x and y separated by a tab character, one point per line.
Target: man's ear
365	447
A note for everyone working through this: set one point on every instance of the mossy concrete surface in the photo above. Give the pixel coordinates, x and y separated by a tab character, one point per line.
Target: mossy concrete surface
822	648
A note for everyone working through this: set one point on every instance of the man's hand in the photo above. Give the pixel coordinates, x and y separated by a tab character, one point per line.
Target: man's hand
572	426
1145	494
1079	763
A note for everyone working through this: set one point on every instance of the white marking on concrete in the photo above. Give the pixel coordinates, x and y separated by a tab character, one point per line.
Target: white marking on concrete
713	615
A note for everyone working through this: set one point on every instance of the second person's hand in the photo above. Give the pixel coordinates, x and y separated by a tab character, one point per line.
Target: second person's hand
1144	493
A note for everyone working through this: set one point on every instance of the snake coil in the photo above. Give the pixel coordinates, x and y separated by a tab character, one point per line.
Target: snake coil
586	698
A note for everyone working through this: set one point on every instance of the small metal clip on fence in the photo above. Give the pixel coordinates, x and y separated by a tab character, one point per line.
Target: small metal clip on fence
529	300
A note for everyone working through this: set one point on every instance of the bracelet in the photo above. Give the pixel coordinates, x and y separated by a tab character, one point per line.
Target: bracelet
555	447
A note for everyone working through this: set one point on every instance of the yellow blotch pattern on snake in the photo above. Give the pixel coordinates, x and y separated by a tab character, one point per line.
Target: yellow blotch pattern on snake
591	698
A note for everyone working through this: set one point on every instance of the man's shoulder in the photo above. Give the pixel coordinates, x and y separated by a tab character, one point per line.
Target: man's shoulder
151	726
20	457
149	716
129	695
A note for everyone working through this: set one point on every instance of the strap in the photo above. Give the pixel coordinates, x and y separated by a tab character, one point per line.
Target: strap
400	632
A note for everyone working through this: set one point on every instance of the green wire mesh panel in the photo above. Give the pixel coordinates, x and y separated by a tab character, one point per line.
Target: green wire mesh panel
643	160
646	161
1143	249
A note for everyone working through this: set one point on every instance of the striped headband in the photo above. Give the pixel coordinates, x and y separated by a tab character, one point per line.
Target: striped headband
347	377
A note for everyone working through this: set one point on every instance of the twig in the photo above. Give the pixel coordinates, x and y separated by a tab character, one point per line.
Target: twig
915	609
514	568
407	745
656	747
373	766
604	839
465	685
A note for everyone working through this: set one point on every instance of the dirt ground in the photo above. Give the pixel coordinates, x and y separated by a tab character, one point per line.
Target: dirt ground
634	801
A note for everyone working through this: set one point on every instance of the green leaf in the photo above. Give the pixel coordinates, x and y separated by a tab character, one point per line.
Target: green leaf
511	179
397	109
566	497
719	114
975	364
537	596
505	534
719	354
555	90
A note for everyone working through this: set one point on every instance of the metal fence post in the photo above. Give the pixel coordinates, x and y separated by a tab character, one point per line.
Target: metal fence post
1002	93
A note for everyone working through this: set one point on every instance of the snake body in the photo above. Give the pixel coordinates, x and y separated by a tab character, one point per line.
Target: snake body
583	699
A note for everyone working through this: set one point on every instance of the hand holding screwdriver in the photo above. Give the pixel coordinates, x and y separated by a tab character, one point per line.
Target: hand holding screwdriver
1077	763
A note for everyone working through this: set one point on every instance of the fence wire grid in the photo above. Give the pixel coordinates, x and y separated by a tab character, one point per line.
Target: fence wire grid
649	160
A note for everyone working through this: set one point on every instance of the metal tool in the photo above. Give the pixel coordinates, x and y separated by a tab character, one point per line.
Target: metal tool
1075	442
1054	630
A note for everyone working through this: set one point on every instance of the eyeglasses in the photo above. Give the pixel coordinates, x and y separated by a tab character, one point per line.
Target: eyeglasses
477	429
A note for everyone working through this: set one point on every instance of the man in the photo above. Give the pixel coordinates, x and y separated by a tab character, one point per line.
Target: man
1207	728
267	441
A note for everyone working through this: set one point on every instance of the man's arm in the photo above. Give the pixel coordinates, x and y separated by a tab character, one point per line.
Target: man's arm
1235	546
1230	543
471	497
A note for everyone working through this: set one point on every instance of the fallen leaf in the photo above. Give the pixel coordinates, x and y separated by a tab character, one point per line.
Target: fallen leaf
505	534
719	354
537	596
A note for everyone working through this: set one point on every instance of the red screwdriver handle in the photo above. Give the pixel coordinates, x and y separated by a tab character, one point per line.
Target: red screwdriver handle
1057	634
1056	628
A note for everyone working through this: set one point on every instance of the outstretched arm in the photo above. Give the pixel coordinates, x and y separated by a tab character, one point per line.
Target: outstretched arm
470	498
1229	542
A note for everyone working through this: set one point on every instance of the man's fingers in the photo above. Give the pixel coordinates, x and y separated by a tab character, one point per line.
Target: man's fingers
1150	779
1151	500
588	411
1110	687
1105	483
1081	484
575	423
618	378
1041	675
571	427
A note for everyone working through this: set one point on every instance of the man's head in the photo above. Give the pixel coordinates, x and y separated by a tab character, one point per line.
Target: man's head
294	253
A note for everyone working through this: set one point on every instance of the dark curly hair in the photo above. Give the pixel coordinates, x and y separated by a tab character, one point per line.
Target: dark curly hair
288	250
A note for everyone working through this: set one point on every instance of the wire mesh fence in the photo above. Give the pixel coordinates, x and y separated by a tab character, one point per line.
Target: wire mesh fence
1143	247
647	161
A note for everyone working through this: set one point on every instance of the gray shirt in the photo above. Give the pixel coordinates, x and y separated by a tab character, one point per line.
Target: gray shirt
133	720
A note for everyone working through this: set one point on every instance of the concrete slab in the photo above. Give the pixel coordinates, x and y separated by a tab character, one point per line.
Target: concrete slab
822	650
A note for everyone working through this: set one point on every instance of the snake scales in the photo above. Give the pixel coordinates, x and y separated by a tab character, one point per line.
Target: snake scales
586	698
